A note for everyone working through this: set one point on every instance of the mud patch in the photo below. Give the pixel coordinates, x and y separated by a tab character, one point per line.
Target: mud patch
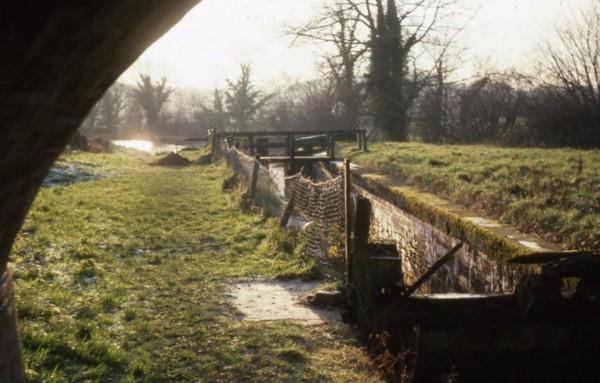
99	145
172	159
279	300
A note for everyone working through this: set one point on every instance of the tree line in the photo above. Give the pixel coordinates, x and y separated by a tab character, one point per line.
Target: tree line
379	81
152	108
374	77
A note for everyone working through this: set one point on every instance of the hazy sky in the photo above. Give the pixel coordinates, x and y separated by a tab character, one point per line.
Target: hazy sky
208	45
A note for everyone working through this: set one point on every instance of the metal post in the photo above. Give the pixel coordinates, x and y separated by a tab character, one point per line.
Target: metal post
347	222
358	140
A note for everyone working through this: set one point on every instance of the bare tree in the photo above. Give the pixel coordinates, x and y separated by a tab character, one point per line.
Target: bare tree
340	26
308	105
388	30
91	120
216	114
133	116
315	106
111	108
572	59
488	109
183	114
152	97
432	109
106	114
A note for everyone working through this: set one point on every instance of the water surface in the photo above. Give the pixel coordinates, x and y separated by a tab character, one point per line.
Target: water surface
146	146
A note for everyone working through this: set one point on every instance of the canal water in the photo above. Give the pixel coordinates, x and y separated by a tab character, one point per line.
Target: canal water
147	146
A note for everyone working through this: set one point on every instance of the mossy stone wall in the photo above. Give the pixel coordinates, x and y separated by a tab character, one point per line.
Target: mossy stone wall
420	244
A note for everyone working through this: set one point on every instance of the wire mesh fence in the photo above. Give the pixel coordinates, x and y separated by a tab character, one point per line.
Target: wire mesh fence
317	206
321	204
265	182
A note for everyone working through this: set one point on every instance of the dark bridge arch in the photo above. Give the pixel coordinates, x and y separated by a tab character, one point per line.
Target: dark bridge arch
58	58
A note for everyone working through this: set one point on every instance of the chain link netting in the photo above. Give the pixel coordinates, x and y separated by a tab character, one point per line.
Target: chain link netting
269	182
322	205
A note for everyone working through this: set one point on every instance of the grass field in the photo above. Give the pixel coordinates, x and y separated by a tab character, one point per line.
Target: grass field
124	279
554	193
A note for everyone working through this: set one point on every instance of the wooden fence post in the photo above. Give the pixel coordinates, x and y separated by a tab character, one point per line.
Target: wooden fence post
363	222
364	141
362	289
214	144
254	179
287	212
291	151
347	221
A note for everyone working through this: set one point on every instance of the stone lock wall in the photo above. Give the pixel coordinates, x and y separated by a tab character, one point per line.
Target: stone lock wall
420	244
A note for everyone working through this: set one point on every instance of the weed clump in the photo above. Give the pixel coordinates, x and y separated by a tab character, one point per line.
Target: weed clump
99	145
246	202
437	163
87	270
204	159
230	183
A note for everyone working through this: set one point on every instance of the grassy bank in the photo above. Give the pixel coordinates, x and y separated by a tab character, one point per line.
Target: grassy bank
125	279
554	193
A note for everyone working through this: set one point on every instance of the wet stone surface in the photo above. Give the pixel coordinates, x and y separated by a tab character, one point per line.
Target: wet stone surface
271	300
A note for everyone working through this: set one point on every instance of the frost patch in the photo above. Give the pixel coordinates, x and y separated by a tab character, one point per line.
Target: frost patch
65	174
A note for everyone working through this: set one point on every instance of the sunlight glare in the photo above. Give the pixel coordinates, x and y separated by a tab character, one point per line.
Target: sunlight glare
143	145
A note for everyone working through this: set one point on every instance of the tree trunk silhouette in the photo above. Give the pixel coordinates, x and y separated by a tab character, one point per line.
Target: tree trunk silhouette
11	364
151	97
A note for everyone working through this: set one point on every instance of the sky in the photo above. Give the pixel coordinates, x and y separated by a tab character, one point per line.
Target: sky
208	45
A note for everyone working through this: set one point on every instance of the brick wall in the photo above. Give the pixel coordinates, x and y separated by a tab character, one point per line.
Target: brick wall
420	244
